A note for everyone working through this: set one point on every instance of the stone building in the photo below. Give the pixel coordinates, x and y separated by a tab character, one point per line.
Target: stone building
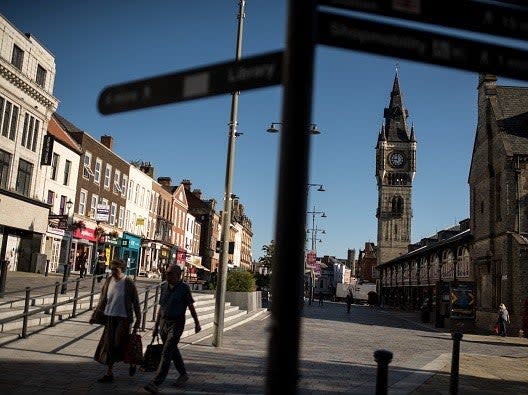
498	185
27	77
395	169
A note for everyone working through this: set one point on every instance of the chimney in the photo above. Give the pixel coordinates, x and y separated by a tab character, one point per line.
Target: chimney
196	192
165	181
107	141
147	168
186	184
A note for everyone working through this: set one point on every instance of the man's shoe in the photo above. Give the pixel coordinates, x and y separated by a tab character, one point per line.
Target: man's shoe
181	380
152	388
107	378
132	370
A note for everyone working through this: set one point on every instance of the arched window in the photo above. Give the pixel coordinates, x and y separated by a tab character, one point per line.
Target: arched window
397	205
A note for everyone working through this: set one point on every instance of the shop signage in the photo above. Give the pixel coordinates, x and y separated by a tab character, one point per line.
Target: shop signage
102	212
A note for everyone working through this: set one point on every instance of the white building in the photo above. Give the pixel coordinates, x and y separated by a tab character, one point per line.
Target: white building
27	75
60	187
138	202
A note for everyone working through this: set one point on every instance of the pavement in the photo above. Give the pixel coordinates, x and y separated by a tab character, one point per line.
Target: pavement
336	356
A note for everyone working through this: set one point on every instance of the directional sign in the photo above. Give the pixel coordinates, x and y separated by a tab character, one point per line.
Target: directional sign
390	40
508	21
250	73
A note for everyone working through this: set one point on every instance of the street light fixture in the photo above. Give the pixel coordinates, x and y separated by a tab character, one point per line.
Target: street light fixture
314	233
67	268
320	189
273	128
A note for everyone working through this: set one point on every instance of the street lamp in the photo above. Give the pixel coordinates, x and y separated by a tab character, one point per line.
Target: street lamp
67	267
312	274
273	128
320	189
218	323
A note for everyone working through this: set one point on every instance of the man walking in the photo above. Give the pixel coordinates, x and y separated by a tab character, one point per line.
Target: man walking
175	297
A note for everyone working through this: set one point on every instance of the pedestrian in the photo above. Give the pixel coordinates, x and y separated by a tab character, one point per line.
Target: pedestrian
349	299
321	298
82	264
175	298
120	302
503	319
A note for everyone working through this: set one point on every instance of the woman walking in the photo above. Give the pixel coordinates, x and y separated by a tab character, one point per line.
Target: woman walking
120	302
504	318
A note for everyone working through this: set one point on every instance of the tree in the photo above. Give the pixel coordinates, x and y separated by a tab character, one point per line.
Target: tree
269	251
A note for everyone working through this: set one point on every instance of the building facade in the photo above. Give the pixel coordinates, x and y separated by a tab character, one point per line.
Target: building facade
27	76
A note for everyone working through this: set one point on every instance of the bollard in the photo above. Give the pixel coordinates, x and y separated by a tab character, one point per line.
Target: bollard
3	275
47	268
455	359
383	358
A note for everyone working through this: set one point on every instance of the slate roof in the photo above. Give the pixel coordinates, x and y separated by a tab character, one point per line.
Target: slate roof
512	118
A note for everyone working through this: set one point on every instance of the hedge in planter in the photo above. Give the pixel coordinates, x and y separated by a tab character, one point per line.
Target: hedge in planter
240	281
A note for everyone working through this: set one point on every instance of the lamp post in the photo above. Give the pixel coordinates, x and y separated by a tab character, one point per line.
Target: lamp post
67	267
314	234
218	323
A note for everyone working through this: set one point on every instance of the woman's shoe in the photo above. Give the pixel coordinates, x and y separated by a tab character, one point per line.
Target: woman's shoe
107	378
132	370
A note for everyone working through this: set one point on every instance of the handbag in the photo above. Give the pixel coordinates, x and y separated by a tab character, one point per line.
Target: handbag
152	356
134	350
98	317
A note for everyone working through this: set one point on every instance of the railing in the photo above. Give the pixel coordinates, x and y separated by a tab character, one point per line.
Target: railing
149	302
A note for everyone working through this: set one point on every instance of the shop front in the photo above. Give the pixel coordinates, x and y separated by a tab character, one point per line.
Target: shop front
83	242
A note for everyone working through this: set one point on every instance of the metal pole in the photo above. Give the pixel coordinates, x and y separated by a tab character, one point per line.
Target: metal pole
290	220
455	359
313	229
218	324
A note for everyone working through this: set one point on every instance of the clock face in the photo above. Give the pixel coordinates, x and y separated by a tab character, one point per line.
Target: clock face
396	159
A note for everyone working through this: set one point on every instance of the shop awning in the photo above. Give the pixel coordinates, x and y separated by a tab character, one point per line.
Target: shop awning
199	266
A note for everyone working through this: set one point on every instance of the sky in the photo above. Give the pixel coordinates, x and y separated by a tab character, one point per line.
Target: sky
99	43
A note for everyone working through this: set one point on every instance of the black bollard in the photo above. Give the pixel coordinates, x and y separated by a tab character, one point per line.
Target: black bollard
47	268
3	275
455	360
383	358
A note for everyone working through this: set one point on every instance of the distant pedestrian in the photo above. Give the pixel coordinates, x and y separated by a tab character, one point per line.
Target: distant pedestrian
321	298
349	299
120	302
503	319
82	264
175	298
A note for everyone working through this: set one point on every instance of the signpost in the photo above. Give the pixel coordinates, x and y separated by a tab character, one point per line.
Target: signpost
419	45
250	73
490	18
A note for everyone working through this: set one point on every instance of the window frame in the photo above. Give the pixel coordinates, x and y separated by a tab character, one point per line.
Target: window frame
17	57
24	176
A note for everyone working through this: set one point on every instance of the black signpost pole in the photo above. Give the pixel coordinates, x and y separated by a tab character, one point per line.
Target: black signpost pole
290	222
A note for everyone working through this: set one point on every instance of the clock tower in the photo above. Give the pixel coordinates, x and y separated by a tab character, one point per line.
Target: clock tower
395	169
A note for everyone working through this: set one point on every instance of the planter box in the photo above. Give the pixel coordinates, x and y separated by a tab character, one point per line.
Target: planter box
249	301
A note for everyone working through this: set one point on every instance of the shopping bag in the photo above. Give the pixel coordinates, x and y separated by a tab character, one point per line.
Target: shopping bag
152	356
134	350
496	328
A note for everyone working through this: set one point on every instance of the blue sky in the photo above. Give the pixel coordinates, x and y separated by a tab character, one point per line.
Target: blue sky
100	43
